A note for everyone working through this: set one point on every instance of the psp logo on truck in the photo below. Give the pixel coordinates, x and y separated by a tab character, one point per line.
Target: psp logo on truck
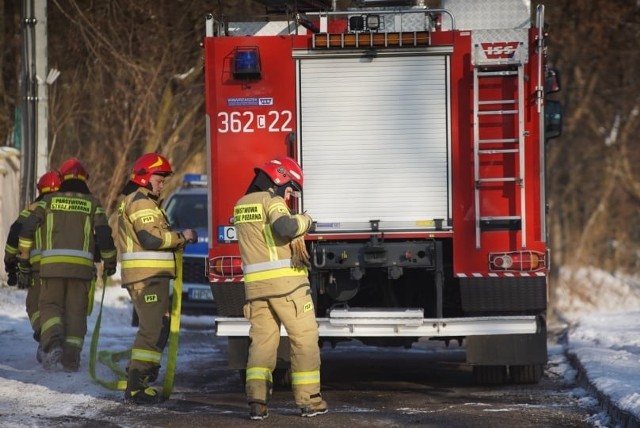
500	50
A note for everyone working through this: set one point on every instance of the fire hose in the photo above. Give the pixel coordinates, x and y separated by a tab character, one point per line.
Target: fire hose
111	359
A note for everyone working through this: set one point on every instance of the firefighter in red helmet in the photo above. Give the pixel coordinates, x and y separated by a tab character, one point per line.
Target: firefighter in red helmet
77	227
147	246
49	182
72	169
277	287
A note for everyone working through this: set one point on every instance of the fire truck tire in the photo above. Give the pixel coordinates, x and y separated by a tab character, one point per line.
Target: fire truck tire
490	375
282	377
529	374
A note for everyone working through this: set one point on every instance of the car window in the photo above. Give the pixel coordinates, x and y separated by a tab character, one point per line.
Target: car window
187	211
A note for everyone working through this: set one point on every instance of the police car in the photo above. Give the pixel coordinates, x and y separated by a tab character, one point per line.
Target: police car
186	208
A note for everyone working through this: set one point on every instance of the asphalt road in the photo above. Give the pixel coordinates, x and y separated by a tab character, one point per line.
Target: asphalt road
428	385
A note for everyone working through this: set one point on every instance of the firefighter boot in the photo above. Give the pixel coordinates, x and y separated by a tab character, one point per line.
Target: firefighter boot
40	353
258	411
314	409
138	392
71	359
52	357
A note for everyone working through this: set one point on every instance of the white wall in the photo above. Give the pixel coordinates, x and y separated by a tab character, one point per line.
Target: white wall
9	196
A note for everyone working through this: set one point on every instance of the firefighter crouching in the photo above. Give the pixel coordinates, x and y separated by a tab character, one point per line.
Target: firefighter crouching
73	222
277	288
147	246
49	182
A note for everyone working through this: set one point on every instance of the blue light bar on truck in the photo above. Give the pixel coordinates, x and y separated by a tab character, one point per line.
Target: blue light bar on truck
193	180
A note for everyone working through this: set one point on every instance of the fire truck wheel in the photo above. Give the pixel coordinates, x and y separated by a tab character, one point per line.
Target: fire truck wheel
282	378
489	375
528	374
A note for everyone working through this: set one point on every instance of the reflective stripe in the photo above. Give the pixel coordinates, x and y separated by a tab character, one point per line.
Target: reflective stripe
74	341
274	273
71	253
148	259
10	250
146	355
88	231
259	373
305	378
35	252
25	243
259	267
147	255
108	254
132	264
49	231
167	239
34	317
66	259
271	243
51	322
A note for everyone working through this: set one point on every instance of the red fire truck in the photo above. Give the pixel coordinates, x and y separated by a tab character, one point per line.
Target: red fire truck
421	132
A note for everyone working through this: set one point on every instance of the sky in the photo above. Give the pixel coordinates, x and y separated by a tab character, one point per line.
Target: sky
604	337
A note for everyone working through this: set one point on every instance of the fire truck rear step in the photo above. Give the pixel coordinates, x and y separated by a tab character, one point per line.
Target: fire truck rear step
358	322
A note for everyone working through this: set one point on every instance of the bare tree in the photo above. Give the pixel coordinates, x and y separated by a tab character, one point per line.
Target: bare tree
131	83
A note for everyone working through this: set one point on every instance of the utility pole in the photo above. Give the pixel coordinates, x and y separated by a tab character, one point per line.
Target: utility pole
34	106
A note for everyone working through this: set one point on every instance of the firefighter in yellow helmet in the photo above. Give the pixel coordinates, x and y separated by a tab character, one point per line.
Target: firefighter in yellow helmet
73	223
49	182
277	288
147	248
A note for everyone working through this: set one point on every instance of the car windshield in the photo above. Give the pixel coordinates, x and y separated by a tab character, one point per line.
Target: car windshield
187	211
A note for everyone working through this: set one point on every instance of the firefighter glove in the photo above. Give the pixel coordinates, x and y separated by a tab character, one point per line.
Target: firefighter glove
12	270
299	253
24	274
109	268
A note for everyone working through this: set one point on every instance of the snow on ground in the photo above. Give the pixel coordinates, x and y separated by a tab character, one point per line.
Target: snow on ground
28	392
604	338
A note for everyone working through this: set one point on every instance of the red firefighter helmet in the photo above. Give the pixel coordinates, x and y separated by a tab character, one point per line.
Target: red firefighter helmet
283	170
49	182
73	169
147	165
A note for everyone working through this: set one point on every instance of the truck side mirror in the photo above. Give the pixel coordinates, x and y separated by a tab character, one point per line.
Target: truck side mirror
552	81
552	119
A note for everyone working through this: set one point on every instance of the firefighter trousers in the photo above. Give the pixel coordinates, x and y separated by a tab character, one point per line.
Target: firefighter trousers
32	304
296	312
63	313
151	301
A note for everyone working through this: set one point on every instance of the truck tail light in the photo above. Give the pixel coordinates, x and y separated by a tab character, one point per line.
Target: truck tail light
226	266
517	261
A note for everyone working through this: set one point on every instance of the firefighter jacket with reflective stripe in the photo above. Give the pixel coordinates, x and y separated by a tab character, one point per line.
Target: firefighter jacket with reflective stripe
145	239
266	255
11	248
70	223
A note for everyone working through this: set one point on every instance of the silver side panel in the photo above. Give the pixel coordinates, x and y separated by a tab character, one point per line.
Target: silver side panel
373	141
487	14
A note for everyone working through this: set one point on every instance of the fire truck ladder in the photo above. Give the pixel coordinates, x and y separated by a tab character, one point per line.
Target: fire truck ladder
485	107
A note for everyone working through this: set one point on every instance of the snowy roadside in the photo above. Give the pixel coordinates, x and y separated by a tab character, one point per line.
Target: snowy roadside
29	394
